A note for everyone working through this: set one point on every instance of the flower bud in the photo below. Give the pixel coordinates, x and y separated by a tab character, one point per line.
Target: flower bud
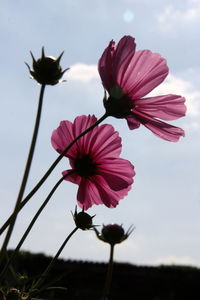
47	69
113	234
83	220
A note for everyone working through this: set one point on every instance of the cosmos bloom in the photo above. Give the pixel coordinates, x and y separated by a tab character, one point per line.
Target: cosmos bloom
102	176
128	76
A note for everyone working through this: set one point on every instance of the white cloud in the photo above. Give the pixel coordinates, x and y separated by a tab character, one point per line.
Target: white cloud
178	86
172	17
175	260
82	72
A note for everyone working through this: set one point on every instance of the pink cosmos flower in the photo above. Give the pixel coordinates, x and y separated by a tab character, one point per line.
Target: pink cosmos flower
102	176
128	76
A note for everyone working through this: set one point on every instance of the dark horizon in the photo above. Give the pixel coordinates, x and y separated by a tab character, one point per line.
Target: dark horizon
84	280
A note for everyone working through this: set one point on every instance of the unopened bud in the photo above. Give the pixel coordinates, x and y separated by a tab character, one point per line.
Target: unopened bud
47	69
113	234
83	220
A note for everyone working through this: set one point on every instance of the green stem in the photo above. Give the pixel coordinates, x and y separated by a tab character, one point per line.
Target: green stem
45	273
42	180
106	292
12	271
31	225
25	176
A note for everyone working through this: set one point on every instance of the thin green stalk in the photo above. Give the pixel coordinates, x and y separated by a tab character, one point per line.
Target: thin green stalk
25	176
50	266
12	271
42	180
31	225
106	292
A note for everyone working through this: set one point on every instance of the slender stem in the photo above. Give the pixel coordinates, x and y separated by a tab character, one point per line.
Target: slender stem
31	225
45	273
106	292
12	271
42	180
26	174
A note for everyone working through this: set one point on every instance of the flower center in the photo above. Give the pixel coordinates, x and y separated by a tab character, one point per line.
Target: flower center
118	107
85	167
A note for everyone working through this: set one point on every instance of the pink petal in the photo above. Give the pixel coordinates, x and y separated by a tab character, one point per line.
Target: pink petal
167	107
109	197
118	173
146	71
105	66
161	129
67	132
80	124
72	177
88	194
123	54
103	140
133	123
96	191
114	61
62	136
107	143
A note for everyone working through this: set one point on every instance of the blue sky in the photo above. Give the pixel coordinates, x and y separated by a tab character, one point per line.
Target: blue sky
164	203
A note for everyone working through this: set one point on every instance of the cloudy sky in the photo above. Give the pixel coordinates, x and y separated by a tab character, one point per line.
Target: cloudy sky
164	203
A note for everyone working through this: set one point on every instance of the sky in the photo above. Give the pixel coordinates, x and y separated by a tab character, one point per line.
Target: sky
164	203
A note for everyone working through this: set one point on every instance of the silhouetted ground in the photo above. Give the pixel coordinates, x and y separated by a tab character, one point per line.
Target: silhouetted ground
85	280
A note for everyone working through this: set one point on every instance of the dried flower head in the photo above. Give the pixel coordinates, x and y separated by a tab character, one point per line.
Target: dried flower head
113	233
47	69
